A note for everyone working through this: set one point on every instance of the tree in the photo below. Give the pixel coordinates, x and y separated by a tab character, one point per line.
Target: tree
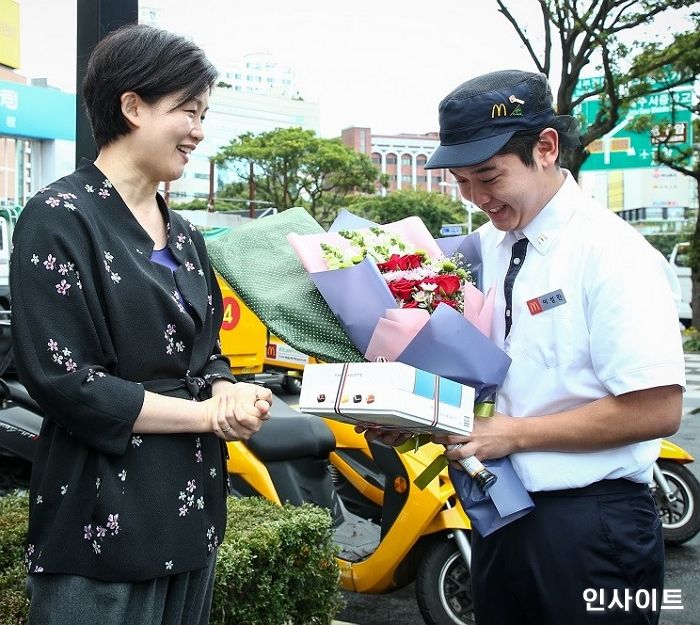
293	167
434	209
191	205
591	31
681	57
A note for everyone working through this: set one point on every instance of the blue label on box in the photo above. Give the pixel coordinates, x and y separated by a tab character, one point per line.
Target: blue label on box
450	391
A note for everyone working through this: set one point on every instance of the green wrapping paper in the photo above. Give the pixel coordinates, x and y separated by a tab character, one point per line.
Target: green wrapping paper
258	263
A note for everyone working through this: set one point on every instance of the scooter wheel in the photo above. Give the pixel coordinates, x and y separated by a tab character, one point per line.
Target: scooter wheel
444	587
681	518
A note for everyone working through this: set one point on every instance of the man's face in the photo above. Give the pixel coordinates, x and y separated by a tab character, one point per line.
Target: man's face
510	193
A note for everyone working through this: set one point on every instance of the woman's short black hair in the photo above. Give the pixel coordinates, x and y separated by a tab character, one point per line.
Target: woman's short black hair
149	61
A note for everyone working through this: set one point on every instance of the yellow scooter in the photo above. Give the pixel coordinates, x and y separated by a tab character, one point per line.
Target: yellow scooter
677	494
389	533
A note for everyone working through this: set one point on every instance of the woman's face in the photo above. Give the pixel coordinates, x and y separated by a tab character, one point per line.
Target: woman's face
170	131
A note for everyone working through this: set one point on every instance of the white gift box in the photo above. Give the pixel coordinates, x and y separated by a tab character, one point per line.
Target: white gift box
390	394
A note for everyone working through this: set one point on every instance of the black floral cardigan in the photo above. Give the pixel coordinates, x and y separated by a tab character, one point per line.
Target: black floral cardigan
94	323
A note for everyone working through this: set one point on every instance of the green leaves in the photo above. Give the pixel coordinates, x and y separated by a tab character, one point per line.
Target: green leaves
294	167
434	209
275	566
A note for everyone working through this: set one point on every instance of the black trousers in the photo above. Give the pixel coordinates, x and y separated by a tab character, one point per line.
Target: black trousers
575	554
181	599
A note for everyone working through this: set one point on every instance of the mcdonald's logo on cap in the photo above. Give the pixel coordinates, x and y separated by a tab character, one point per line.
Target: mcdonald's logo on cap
498	110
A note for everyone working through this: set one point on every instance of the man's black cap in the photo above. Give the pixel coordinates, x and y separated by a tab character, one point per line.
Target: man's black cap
479	117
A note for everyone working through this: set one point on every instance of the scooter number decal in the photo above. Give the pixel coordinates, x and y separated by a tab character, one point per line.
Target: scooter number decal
232	314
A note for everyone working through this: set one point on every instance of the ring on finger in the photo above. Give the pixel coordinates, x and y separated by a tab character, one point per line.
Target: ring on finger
226	430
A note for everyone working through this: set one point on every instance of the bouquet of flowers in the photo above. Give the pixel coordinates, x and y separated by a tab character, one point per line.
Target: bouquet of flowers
381	290
385	285
414	279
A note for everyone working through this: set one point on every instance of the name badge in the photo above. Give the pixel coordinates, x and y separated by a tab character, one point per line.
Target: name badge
545	302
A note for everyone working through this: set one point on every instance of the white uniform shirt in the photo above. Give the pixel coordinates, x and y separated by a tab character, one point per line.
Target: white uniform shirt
617	332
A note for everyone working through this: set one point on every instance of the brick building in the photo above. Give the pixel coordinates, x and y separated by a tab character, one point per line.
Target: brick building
402	158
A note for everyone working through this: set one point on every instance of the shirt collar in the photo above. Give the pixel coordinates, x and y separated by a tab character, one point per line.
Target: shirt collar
544	229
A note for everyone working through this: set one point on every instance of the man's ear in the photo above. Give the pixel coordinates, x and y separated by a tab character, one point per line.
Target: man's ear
131	107
547	147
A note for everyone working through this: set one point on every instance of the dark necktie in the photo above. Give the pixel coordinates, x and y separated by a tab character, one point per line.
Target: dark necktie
517	258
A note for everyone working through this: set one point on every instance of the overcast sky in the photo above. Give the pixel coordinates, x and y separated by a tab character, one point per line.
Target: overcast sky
384	64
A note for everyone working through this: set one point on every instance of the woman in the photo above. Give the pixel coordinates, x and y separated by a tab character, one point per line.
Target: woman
116	314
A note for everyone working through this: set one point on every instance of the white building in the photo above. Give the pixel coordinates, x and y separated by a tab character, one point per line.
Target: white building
260	73
231	113
402	158
655	199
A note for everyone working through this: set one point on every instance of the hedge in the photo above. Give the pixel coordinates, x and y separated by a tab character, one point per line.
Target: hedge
276	565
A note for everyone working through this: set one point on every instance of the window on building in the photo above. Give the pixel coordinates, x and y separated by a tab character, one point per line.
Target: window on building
391	159
376	159
421	160
406	160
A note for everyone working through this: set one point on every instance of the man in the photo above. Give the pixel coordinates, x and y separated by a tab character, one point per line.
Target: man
585	311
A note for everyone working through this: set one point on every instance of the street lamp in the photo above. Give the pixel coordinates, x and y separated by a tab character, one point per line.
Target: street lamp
468	206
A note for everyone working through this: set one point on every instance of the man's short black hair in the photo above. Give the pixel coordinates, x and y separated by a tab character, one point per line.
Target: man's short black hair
149	61
522	144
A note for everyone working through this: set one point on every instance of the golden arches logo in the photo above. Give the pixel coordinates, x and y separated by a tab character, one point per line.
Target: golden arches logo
499	110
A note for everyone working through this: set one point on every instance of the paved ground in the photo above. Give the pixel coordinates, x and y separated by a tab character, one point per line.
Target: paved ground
691	399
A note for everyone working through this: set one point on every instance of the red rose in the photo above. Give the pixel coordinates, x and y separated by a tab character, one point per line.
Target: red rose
409	261
410	304
447	283
450	302
402	288
389	265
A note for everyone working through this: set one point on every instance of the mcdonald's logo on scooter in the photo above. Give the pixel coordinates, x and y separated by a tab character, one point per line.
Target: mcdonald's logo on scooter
499	110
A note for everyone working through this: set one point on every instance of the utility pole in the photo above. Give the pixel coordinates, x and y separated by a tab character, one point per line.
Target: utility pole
251	191
96	18
211	199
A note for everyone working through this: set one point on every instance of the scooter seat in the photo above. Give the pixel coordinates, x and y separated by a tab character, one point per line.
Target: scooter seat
19	393
291	437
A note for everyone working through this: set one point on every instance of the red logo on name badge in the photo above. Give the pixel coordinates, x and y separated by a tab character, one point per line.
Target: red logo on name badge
534	306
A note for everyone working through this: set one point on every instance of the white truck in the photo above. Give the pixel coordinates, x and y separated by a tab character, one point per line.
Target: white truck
680	264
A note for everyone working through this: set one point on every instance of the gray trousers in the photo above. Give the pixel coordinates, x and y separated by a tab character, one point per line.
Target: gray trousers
182	599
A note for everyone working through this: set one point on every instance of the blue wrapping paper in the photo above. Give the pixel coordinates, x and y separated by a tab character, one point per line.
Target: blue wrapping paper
449	346
358	296
505	502
469	246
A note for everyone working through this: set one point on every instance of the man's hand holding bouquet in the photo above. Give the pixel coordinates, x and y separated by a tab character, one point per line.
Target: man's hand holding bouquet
399	295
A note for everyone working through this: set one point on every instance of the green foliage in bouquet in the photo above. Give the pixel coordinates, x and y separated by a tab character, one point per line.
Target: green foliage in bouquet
276	565
260	265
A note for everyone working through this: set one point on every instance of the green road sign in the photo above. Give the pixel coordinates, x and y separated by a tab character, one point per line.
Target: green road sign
623	147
